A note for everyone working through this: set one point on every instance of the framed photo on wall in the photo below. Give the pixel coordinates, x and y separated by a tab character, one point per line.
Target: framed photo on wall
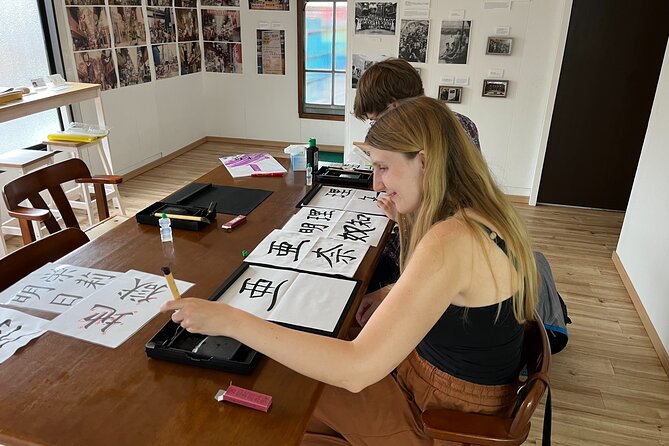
499	46
494	88
450	95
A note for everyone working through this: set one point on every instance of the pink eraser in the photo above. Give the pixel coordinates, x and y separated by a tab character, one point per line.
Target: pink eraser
238	220
245	397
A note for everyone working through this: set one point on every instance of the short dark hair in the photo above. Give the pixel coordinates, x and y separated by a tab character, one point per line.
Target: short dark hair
384	83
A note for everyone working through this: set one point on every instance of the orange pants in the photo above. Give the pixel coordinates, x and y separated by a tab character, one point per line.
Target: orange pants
388	413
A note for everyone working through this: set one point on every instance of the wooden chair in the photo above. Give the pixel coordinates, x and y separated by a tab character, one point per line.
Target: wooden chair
51	178
486	430
29	258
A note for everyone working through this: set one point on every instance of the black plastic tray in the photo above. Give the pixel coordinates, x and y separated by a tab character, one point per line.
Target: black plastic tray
344	177
146	215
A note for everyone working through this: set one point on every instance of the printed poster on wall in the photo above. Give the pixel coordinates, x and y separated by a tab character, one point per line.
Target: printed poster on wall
270	5
271	51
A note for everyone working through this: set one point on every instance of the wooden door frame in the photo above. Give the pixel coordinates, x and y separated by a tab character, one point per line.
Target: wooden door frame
550	104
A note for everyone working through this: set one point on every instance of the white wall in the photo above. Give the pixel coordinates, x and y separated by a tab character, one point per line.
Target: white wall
644	239
265	107
152	120
510	128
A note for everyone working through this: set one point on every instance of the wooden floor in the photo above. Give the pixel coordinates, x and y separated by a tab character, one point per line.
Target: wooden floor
609	387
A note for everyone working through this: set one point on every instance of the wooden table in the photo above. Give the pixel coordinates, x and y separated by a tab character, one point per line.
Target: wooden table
63	391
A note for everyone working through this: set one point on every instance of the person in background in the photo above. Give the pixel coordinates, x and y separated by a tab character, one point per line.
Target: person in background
379	87
389	80
450	332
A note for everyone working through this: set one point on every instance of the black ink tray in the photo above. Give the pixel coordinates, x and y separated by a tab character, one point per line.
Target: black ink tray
172	343
344	177
147	215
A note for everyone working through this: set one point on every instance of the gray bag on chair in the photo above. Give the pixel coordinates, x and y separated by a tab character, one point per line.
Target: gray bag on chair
551	307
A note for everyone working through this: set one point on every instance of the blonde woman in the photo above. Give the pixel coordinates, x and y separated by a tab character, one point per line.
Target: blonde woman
450	332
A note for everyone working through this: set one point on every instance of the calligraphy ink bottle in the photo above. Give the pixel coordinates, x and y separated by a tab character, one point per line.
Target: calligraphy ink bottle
165	229
312	155
309	175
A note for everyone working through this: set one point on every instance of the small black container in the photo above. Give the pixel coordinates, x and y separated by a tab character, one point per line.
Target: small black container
147	215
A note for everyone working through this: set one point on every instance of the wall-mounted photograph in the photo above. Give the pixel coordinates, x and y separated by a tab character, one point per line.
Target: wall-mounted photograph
375	18
499	46
360	62
413	40
450	95
494	88
454	41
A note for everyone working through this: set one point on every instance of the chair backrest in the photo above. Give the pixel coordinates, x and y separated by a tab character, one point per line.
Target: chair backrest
490	430
29	258
49	178
537	356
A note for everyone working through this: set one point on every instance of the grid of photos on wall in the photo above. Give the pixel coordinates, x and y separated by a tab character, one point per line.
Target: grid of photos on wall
115	42
91	41
221	32
127	20
161	18
271	51
188	39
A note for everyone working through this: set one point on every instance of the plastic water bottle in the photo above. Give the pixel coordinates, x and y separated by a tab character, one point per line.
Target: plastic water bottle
165	229
309	175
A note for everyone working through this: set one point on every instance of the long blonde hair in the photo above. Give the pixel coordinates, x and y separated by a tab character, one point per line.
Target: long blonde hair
456	178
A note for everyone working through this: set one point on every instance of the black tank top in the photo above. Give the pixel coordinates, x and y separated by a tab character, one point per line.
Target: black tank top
474	344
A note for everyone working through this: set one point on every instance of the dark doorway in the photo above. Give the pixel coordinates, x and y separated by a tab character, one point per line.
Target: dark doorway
612	61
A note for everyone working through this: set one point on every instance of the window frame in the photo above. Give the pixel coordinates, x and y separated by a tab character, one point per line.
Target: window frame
314	111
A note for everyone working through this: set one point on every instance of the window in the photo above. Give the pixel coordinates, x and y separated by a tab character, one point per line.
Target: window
26	53
322	59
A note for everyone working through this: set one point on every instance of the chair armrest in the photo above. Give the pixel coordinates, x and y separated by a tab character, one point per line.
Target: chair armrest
487	430
101	179
29	213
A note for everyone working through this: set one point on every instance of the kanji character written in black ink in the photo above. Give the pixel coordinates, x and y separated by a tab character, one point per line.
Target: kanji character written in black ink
357	228
105	316
315	214
93	280
336	254
284	248
261	288
309	228
58	275
65	300
31	292
372	198
6	332
142	292
338	193
362	220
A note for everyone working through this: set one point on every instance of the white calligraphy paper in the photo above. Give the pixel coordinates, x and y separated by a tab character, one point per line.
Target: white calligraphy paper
56	288
113	314
16	330
334	257
346	226
344	198
300	299
282	248
316	221
359	228
309	253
